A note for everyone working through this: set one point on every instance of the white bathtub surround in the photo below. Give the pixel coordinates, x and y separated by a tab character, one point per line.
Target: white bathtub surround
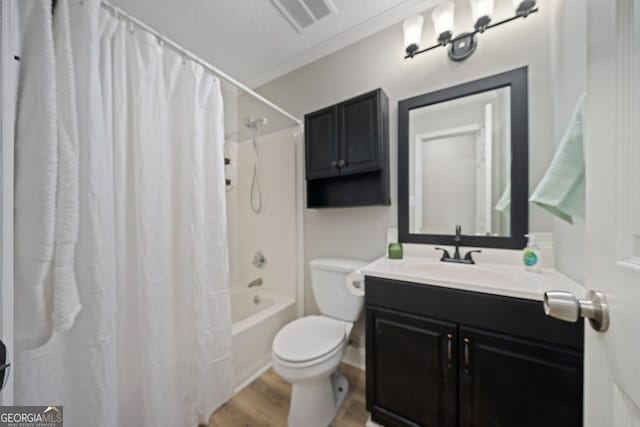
254	326
152	345
274	232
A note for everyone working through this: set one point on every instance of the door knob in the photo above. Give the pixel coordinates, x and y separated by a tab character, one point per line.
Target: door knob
565	306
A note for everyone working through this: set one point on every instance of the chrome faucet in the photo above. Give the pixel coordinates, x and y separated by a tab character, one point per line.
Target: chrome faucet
256	282
457	241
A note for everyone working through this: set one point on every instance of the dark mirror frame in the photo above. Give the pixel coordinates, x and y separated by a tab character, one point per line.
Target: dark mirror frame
517	80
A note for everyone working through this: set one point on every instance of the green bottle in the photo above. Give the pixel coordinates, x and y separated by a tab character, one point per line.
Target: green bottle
395	250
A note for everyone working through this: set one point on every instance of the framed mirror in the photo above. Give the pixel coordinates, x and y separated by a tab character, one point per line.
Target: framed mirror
463	160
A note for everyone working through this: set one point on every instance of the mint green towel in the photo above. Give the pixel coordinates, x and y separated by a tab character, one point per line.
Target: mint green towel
562	189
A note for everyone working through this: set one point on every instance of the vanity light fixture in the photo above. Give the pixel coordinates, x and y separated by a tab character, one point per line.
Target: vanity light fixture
462	45
412	28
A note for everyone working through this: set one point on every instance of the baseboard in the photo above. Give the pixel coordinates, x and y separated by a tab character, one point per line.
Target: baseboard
355	356
372	424
252	378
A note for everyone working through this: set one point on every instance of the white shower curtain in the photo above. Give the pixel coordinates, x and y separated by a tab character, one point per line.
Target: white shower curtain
152	344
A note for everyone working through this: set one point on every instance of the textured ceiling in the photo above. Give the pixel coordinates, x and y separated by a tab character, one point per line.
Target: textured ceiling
252	41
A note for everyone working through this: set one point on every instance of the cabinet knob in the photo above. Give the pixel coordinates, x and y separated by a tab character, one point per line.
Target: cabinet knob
341	163
334	164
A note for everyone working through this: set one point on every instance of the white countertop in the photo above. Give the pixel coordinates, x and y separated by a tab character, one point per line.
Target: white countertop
488	278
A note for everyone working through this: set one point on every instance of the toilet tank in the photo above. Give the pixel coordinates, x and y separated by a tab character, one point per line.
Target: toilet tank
328	277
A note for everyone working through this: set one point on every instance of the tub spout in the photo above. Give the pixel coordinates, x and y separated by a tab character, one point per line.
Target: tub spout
257	282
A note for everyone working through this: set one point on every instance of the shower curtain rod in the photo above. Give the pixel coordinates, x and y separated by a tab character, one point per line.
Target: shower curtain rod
121	13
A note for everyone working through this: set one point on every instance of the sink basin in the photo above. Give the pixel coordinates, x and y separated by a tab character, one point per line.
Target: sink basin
463	273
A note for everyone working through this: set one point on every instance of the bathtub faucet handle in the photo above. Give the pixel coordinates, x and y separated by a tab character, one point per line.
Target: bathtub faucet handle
256	282
259	260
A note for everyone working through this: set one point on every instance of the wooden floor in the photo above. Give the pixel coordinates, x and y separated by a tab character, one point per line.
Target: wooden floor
265	403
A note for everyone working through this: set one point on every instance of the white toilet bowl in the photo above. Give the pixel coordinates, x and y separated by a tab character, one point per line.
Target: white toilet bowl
308	351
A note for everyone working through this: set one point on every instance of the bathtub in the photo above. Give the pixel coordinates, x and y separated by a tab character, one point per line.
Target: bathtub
257	316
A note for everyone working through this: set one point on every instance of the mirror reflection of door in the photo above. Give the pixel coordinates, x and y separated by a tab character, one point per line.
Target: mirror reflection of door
460	168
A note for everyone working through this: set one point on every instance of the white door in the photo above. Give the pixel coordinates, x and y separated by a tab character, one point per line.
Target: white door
612	358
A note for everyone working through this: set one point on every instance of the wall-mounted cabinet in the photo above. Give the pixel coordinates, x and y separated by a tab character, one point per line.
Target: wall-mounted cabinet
347	153
321	143
451	358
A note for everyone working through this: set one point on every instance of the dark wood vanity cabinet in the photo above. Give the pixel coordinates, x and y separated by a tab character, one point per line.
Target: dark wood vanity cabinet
413	357
440	357
517	382
347	153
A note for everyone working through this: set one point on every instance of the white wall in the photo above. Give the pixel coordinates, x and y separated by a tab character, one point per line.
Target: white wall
569	76
230	106
273	230
378	62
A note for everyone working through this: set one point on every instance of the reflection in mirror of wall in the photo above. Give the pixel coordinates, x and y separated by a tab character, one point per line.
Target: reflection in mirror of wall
460	164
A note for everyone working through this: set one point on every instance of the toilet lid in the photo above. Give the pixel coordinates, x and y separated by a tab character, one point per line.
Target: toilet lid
308	338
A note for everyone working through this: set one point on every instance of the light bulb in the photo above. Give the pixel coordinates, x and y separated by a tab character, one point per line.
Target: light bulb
442	17
481	11
412	28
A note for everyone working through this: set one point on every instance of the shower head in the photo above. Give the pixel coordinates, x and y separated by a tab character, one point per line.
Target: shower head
255	123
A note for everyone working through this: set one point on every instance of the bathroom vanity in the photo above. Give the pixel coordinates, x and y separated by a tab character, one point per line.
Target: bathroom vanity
457	343
468	345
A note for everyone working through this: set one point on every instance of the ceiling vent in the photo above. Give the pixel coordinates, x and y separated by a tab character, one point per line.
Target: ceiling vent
302	13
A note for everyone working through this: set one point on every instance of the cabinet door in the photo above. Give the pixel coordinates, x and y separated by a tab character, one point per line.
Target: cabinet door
321	143
411	370
361	123
507	382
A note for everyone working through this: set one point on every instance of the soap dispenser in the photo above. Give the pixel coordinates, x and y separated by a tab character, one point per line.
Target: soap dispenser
531	255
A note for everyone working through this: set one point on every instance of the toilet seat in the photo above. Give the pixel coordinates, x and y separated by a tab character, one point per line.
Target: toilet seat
309	338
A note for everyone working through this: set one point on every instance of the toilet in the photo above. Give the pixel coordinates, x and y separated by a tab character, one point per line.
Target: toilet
308	351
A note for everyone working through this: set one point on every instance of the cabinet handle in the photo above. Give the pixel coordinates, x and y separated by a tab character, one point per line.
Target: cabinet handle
449	349
341	163
466	355
334	164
